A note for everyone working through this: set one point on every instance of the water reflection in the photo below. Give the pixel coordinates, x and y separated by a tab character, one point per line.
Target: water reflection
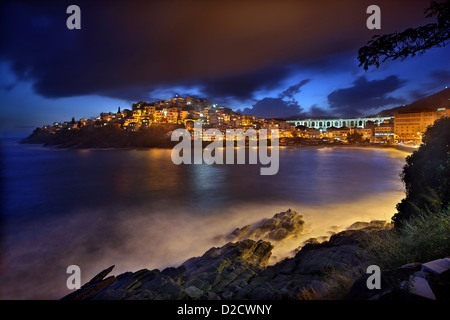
136	209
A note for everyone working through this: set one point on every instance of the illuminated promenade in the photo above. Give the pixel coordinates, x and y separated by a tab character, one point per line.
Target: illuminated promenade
338	123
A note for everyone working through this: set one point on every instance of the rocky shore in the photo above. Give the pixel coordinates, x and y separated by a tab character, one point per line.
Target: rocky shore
111	137
239	269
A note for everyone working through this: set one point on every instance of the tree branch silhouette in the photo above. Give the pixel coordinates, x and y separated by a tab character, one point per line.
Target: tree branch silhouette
412	41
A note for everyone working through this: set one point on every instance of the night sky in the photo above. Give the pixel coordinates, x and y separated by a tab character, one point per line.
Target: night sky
265	58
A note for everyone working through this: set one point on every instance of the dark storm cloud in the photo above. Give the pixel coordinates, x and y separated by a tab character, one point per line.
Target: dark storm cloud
228	48
441	76
289	92
436	81
278	107
273	108
365	95
242	86
317	112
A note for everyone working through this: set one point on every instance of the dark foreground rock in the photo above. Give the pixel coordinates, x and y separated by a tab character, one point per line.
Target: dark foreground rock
281	226
239	270
218	274
413	281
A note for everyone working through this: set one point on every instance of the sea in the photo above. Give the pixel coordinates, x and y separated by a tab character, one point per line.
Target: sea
136	209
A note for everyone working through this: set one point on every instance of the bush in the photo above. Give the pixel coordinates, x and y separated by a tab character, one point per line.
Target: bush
426	175
335	284
422	238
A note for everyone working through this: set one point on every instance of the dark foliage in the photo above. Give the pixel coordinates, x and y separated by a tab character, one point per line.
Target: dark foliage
410	42
426	175
355	137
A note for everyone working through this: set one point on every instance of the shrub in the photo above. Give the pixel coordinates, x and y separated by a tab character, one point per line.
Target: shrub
426	174
422	238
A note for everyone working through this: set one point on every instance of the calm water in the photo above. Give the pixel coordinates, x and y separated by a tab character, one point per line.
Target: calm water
136	209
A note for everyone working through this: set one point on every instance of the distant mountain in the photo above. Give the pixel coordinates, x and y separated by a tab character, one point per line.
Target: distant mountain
440	99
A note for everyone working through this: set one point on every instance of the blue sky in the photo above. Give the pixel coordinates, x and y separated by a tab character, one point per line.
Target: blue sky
259	59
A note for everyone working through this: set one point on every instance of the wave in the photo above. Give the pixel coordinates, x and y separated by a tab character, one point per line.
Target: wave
36	254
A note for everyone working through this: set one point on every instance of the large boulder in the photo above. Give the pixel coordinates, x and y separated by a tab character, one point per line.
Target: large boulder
281	226
219	273
248	253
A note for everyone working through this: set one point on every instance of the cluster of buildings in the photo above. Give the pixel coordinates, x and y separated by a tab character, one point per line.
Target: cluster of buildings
406	127
178	111
409	126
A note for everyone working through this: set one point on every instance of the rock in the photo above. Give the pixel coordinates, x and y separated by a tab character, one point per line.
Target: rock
420	287
210	278
263	292
257	281
172	289
436	266
126	281
278	234
196	282
240	283
143	295
248	253
112	294
414	265
221	285
374	224
193	292
175	273
358	225
96	284
379	223
392	285
239	269
212	296
311	241
246	274
315	261
287	266
243	293
90	289
156	284
239	233
149	275
440	285
347	237
281	226
140	274
100	276
227	295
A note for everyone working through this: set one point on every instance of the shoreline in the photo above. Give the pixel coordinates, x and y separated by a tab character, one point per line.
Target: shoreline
405	148
235	225
240	267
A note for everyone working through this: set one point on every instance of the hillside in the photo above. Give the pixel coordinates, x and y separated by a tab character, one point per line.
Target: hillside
440	99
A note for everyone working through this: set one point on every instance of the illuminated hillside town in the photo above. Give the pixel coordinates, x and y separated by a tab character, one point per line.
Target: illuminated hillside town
405	127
